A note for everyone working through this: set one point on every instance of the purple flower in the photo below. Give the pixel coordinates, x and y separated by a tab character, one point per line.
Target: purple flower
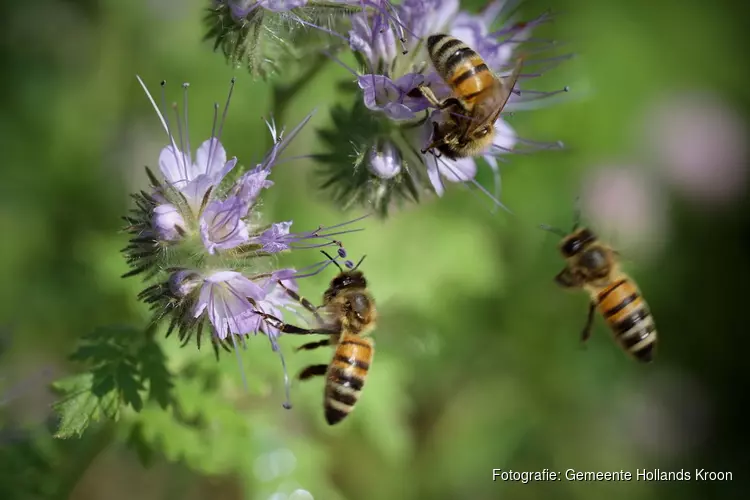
194	179
378	45
277	299
222	226
214	271
275	239
241	8
390	88
383	94
168	222
249	186
225	298
426	17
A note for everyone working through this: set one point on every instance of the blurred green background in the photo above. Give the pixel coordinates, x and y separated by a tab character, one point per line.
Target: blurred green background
479	364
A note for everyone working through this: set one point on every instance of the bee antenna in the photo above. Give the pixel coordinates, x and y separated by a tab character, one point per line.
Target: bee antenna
577	213
553	229
358	263
332	260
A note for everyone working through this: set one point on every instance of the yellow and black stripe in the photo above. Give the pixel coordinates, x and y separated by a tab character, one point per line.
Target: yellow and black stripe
460	66
627	314
346	376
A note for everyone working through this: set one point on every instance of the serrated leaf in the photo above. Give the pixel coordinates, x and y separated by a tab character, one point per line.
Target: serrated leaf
79	407
126	377
154	371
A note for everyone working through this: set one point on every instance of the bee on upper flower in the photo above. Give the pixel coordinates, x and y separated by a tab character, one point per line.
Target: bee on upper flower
424	99
199	243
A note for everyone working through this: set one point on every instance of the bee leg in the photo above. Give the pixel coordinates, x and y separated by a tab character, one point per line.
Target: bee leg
428	94
589	323
313	345
288	328
305	303
312	371
566	279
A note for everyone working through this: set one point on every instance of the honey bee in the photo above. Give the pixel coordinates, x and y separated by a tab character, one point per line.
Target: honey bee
478	98
594	267
350	316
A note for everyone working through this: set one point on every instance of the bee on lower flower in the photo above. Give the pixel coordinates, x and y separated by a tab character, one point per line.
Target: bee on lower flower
199	243
406	105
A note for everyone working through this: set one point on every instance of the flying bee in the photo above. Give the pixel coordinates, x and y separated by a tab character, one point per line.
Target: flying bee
478	98
349	316
594	267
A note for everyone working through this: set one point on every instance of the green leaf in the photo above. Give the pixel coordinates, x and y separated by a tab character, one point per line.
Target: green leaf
154	372
126	378
80	407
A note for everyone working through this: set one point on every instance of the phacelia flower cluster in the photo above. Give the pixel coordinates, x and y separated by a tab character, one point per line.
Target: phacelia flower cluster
268	36
201	242
391	124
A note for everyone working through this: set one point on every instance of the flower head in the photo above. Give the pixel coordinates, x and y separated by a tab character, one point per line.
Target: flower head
202	243
390	89
267	36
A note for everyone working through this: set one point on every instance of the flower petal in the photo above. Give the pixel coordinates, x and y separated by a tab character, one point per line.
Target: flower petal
172	166
166	220
460	170
273	240
211	159
224	297
222	226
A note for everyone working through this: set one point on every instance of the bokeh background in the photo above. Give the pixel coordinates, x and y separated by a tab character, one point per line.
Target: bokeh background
479	364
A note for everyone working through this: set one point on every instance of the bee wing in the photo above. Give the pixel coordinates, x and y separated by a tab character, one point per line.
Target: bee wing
488	109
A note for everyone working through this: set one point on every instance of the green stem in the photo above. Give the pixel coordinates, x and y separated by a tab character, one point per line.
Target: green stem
82	458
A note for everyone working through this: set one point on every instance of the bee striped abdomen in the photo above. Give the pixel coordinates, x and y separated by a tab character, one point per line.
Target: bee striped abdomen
346	376
461	67
629	318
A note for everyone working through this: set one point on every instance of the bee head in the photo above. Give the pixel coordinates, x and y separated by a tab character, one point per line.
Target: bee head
575	243
347	280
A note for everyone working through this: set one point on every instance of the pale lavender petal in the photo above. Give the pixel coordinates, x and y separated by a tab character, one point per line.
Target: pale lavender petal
281	5
222	226
196	190
172	166
224	297
434	175
460	170
249	186
376	42
382	94
407	83
210	158
505	137
166	221
426	17
360	36
378	91
273	239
